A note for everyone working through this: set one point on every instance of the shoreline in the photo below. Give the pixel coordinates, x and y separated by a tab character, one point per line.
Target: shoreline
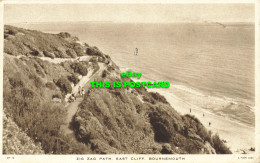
225	127
230	130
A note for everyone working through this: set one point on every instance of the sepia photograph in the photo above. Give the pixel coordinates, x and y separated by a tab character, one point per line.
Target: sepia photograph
104	79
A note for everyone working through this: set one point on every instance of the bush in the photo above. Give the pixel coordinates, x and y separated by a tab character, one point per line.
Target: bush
74	78
15	141
60	53
12	32
35	53
39	70
71	53
94	51
48	54
50	85
158	97
104	73
64	34
78	49
148	99
16	81
64	85
5	36
57	96
79	68
26	93
219	146
36	80
107	56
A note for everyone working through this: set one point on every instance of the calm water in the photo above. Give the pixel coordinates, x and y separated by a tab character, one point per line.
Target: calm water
208	59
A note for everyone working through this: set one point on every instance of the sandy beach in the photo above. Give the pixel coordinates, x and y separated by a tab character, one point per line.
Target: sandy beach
239	137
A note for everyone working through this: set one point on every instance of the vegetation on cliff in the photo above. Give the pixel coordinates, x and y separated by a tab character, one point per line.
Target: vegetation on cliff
15	141
109	120
115	120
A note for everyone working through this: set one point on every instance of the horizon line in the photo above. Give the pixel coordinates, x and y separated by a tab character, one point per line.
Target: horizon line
118	22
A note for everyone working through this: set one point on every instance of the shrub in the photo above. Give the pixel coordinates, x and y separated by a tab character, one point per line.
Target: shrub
36	80
26	93
57	96
74	78
104	73
12	31
16	81
78	49
34	53
64	85
48	54
79	68
15	141
5	36
71	53
50	85
94	51
60	53
64	34
10	48
148	99
95	47
219	146
107	56
39	70
158	97
110	68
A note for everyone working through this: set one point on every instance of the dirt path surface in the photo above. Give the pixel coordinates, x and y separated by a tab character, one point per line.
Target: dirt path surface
60	60
71	111
73	106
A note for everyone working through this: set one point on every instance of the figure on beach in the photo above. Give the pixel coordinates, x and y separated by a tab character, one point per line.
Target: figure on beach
209	123
190	110
136	51
203	115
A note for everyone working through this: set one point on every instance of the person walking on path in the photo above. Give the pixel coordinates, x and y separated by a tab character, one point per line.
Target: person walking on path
79	90
82	91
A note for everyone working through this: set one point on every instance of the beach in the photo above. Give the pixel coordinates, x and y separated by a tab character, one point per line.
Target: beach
237	135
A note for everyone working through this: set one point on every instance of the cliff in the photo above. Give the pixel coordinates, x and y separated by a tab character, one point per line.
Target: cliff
42	70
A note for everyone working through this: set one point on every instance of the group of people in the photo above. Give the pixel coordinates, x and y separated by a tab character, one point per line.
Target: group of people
81	92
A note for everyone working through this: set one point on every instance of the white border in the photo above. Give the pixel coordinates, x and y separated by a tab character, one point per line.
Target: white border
188	158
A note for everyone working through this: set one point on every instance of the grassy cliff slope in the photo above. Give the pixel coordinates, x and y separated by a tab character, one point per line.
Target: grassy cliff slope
108	120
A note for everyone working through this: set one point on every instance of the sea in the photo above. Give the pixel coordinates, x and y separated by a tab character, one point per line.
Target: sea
207	64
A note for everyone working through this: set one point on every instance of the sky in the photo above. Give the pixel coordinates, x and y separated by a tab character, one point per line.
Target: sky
128	13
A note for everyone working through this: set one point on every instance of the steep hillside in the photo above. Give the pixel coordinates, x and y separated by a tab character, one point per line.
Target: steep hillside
15	141
42	70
